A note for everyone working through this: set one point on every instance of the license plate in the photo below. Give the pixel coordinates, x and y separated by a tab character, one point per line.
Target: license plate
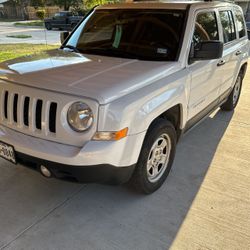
7	152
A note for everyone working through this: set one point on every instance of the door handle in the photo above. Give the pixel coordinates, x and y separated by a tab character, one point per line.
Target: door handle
238	53
221	62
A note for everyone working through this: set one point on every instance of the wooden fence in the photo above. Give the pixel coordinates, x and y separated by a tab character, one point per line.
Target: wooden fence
28	13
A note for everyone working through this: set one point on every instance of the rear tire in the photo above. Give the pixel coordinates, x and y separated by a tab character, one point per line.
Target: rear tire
234	96
48	26
156	157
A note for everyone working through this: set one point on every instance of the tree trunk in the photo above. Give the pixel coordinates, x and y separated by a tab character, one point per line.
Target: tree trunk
66	5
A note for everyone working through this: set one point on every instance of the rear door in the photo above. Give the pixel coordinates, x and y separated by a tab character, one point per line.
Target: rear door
242	34
233	49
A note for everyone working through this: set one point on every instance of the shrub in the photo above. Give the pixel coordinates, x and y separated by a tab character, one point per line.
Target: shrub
40	14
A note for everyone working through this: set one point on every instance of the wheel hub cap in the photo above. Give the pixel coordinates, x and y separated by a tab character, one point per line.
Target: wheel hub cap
236	93
158	158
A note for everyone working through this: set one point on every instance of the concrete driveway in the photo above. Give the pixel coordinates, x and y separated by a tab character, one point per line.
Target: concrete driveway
205	203
39	35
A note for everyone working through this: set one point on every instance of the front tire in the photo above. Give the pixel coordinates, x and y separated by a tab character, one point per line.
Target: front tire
156	157
234	96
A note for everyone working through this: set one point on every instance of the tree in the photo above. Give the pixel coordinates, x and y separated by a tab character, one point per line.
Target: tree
92	3
80	4
37	3
66	4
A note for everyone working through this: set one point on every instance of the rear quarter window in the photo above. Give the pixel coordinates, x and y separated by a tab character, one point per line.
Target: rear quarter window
240	23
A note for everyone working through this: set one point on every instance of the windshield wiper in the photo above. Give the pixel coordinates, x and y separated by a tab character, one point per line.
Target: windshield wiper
73	48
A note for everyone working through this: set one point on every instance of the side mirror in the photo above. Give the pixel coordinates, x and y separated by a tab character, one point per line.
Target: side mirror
207	50
248	34
63	36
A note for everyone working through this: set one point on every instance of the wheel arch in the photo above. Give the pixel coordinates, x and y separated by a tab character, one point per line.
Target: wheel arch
243	70
173	115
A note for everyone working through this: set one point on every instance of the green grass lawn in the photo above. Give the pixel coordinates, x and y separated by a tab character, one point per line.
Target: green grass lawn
11	51
33	23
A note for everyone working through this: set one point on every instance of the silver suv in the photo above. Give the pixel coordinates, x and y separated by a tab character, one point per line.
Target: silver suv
112	102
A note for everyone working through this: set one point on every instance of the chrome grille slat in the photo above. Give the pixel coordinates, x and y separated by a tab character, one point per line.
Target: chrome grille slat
3	104
32	113
45	117
10	108
20	111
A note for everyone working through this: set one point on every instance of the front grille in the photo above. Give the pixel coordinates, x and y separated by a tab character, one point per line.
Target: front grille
41	113
36	114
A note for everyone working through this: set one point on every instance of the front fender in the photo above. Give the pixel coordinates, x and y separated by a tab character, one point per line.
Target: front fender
138	109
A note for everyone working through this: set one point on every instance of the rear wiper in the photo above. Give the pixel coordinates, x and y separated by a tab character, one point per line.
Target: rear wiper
73	48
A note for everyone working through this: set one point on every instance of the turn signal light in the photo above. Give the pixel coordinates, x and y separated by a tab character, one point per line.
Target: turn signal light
110	136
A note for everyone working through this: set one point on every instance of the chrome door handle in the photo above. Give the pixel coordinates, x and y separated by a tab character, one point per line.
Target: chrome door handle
221	62
238	53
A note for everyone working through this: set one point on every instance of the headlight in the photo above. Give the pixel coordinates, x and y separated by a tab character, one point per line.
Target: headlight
80	116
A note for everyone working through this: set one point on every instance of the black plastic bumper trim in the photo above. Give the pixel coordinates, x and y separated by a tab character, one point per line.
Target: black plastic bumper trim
86	174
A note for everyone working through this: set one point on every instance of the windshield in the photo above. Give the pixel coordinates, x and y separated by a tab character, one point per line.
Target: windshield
141	34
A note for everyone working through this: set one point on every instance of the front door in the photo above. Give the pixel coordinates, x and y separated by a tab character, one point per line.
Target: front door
206	75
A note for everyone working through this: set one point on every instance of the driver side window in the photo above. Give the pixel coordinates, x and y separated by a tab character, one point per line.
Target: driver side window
206	28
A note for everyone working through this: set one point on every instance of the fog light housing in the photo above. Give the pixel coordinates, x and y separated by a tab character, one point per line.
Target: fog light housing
45	171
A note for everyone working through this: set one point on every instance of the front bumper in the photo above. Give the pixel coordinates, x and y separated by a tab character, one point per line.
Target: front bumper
124	152
99	173
96	161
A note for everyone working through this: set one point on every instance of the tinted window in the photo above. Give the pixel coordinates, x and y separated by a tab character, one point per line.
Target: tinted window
145	34
240	23
205	28
228	27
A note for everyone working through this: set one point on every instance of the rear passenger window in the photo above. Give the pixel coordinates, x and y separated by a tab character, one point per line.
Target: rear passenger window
206	28
240	23
228	26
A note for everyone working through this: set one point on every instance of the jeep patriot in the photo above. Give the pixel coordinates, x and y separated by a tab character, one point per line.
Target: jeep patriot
112	102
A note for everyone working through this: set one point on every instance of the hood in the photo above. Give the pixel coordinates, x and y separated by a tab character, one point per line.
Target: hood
97	77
